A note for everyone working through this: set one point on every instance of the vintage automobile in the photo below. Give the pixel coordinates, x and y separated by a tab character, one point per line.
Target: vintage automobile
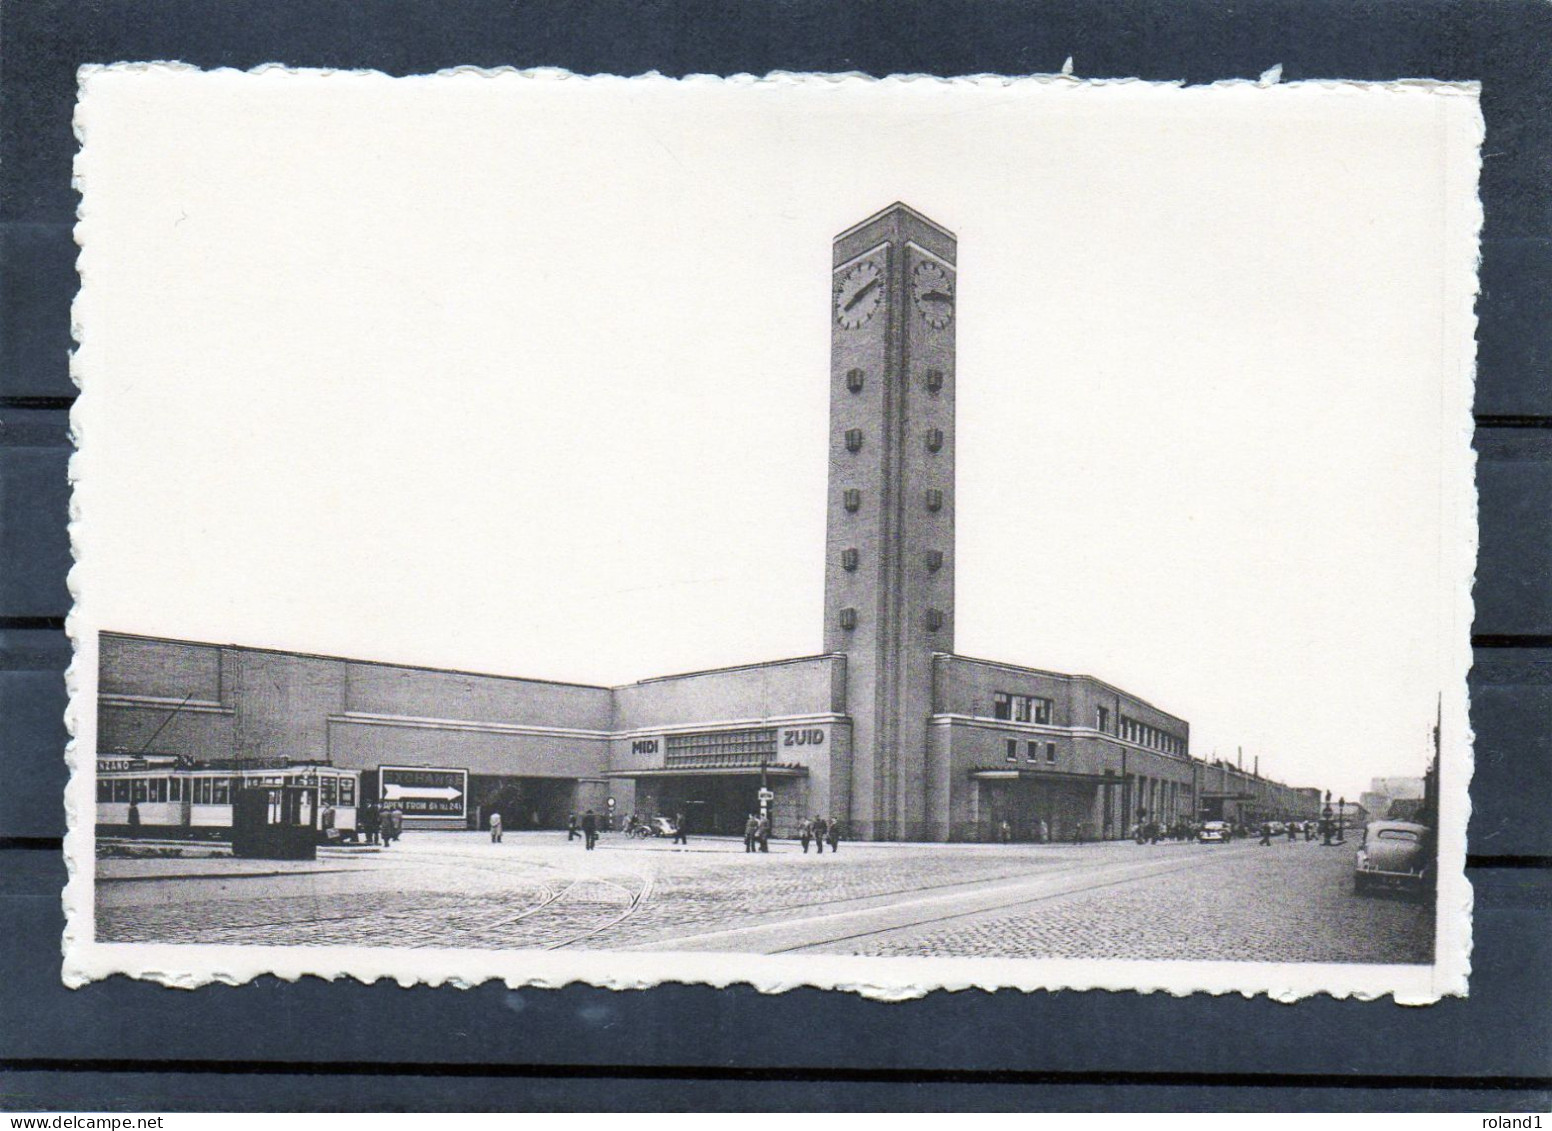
1213	832
1395	854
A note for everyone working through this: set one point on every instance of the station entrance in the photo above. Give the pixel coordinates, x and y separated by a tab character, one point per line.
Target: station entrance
718	803
1021	806
524	803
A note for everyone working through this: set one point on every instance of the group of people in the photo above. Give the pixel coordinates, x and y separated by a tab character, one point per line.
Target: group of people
381	824
821	831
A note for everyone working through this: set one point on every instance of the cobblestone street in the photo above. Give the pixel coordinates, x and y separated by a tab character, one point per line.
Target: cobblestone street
1289	902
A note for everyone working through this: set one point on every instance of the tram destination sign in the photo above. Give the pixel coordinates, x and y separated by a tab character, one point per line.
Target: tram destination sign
424	793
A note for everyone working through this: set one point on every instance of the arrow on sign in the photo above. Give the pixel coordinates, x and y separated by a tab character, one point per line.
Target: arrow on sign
433	793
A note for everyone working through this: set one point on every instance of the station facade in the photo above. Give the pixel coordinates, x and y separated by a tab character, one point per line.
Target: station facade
888	730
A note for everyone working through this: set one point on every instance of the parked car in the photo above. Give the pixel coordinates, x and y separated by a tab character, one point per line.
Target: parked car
1214	832
663	826
1395	854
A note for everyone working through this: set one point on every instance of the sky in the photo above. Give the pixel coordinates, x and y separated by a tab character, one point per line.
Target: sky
529	375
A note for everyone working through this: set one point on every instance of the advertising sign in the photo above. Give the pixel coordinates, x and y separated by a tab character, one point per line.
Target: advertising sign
424	794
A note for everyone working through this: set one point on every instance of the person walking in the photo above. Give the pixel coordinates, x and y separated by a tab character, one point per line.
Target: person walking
390	824
495	827
681	830
820	829
834	835
369	819
1005	832
589	829
763	833
572	832
134	816
1266	832
1293	832
751	831
805	834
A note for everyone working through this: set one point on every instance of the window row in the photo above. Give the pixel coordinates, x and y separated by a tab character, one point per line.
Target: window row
1022	708
851	499
932	436
856	379
213	791
747	743
1031	751
851	558
934	619
1152	737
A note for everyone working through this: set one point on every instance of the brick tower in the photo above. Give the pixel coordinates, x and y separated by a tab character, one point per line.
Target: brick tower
889	557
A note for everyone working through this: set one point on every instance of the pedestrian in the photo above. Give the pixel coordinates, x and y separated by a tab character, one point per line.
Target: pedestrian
1266	832
389	824
369	822
1045	832
495	828
1293	832
572	832
589	829
805	834
834	835
1004	832
763	833
1309	831
134	816
751	831
326	819
681	830
820	829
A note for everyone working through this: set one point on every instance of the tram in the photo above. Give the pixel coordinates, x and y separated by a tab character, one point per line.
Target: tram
179	800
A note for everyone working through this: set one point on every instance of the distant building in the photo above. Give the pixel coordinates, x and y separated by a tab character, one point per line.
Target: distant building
888	729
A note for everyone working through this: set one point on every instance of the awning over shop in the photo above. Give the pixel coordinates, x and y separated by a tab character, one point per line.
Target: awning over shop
1020	773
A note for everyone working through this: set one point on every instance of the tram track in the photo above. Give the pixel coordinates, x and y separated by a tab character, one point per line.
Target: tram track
879	915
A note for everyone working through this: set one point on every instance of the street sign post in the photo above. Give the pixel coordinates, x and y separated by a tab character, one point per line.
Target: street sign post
429	798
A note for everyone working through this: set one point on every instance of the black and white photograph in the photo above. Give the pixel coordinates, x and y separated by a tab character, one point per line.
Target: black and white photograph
798	531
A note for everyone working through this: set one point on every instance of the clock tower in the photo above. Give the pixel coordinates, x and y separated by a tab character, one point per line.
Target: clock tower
889	558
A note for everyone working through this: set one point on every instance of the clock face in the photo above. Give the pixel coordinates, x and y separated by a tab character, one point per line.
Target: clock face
858	294
934	294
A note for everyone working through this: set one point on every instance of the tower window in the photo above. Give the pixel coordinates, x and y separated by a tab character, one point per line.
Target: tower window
934	499
1011	745
1032	751
854	380
848	618
934	560
1050	751
849	559
854	439
1101	719
934	619
852	498
934	439
934	380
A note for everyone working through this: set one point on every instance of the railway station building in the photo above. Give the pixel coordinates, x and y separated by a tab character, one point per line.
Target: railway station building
886	728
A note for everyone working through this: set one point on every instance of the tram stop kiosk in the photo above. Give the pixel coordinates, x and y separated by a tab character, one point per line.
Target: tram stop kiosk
275	822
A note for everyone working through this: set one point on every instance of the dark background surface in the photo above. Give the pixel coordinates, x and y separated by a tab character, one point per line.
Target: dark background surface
274	1045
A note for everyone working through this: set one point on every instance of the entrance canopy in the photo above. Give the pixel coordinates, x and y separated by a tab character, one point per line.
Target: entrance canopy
774	769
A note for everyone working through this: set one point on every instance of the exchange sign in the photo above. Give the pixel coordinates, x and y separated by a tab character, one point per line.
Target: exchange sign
422	793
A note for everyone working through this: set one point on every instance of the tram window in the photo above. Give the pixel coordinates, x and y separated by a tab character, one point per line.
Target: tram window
175	790
220	792
158	789
104	791
347	791
326	790
139	791
121	789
